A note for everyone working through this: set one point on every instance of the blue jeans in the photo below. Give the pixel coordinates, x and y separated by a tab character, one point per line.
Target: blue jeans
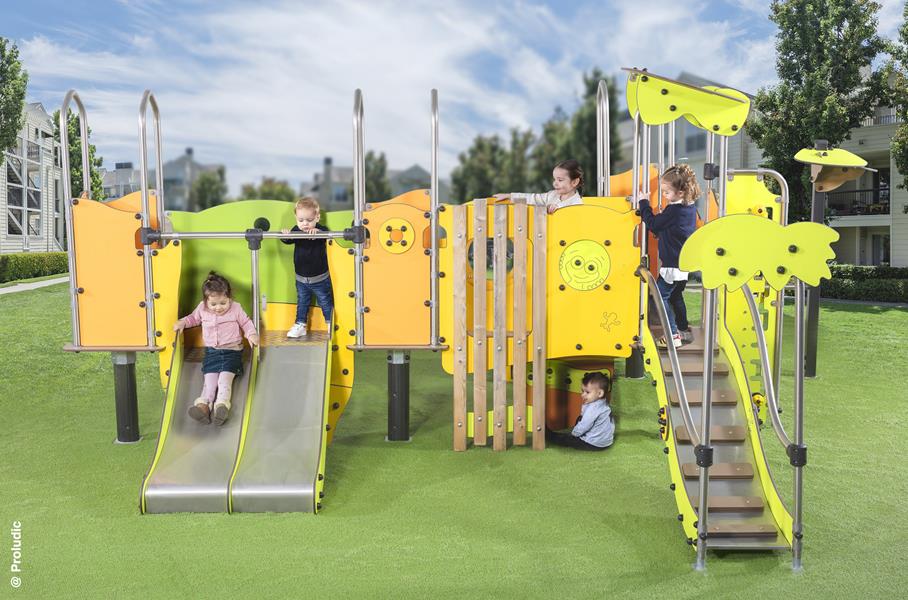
673	300
323	295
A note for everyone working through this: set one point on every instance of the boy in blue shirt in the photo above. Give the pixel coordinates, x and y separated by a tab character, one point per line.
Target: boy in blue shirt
595	429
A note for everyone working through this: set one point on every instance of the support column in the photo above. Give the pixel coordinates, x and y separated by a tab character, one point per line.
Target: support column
817	212
398	396
127	404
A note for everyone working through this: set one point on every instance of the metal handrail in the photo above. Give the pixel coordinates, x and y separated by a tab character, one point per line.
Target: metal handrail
765	370
433	214
148	98
359	202
240	235
73	96
672	356
603	142
780	296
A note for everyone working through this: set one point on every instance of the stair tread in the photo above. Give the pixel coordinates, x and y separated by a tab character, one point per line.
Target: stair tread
695	397
731	503
720	471
692	364
717	433
737	529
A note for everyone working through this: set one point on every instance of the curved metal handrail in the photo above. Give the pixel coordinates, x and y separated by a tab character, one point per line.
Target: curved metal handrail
603	142
148	98
765	370
73	96
359	201
433	211
672	357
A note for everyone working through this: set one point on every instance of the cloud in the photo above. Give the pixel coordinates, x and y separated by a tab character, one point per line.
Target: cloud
266	88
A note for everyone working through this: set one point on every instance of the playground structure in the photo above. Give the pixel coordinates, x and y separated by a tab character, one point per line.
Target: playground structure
567	292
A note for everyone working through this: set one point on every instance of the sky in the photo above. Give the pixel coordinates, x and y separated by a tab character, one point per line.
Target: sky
266	87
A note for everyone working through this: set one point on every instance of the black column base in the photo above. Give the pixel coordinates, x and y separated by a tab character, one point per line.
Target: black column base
126	398
398	397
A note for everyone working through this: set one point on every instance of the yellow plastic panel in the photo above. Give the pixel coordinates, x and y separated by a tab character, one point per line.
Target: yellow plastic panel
836	157
661	100
165	269
111	274
396	275
731	250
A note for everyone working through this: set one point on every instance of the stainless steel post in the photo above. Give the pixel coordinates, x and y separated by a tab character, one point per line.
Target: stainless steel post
661	161
603	142
671	143
148	98
73	96
433	210
709	341
797	517
359	201
633	365
256	295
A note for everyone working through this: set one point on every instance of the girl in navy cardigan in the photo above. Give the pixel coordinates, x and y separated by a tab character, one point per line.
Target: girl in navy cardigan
672	227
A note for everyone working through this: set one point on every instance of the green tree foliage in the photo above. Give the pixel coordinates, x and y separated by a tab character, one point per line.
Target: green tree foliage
549	150
208	190
378	186
271	188
75	157
481	169
896	73
13	80
827	85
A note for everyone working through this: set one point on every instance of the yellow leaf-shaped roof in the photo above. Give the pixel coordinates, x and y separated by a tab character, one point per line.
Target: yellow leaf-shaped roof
731	250
830	158
661	100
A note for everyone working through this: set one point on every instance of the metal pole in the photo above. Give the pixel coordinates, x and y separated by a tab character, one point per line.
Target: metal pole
73	96
671	143
398	396
433	210
359	201
704	451
797	521
661	160
633	365
125	397
723	174
256	303
148	98
603	142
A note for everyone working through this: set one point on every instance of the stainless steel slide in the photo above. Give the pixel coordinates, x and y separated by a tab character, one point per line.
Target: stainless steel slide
193	462
281	462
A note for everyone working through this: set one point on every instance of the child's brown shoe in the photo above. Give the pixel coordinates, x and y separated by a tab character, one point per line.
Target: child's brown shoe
200	412
221	412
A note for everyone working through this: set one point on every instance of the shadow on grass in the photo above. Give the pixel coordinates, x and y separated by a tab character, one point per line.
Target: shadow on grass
869	309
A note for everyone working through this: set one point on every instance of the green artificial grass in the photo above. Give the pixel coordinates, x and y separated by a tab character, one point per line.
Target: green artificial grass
419	520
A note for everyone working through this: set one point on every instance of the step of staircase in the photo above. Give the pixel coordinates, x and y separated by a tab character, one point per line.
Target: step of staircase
720	471
731	503
695	397
717	433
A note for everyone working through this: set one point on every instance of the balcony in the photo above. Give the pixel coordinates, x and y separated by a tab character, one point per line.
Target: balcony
873	201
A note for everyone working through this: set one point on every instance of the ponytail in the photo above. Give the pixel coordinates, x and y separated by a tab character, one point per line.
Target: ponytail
216	284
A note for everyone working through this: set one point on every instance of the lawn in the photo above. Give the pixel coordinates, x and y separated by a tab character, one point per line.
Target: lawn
417	519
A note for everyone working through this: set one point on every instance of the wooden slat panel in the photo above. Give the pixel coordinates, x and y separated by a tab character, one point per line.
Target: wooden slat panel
717	433
460	327
720	471
519	276
500	341
539	323
480	362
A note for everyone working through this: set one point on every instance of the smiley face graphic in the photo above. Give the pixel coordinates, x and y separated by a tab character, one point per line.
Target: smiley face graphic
584	265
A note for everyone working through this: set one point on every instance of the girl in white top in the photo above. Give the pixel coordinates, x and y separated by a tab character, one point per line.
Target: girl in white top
567	181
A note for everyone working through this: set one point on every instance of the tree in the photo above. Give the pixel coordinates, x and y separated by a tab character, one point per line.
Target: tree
270	189
75	157
515	175
827	84
480	172
582	141
13	80
896	74
549	150
208	190
378	187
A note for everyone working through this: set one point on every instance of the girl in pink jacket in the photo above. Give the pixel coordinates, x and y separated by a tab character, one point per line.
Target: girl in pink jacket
223	324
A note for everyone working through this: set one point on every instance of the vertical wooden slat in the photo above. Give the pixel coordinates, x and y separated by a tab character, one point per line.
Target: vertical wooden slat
460	327
500	330
539	326
519	276
480	362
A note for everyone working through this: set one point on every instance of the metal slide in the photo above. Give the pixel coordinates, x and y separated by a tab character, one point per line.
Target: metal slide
745	511
281	464
270	456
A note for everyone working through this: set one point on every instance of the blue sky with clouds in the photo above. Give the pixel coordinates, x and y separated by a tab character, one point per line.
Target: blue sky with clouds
266	87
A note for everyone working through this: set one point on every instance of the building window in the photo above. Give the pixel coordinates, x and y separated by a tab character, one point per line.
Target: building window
23	190
695	141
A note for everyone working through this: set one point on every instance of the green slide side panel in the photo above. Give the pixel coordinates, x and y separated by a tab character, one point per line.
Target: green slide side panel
731	250
233	259
661	100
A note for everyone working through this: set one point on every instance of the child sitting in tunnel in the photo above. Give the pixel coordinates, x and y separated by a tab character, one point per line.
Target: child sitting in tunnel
595	428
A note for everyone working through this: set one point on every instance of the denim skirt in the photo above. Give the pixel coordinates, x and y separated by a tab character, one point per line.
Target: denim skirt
217	361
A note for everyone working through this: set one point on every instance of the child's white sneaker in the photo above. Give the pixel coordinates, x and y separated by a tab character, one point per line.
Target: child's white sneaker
676	340
297	331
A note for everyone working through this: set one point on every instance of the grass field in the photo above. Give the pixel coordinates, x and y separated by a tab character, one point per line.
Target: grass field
418	520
